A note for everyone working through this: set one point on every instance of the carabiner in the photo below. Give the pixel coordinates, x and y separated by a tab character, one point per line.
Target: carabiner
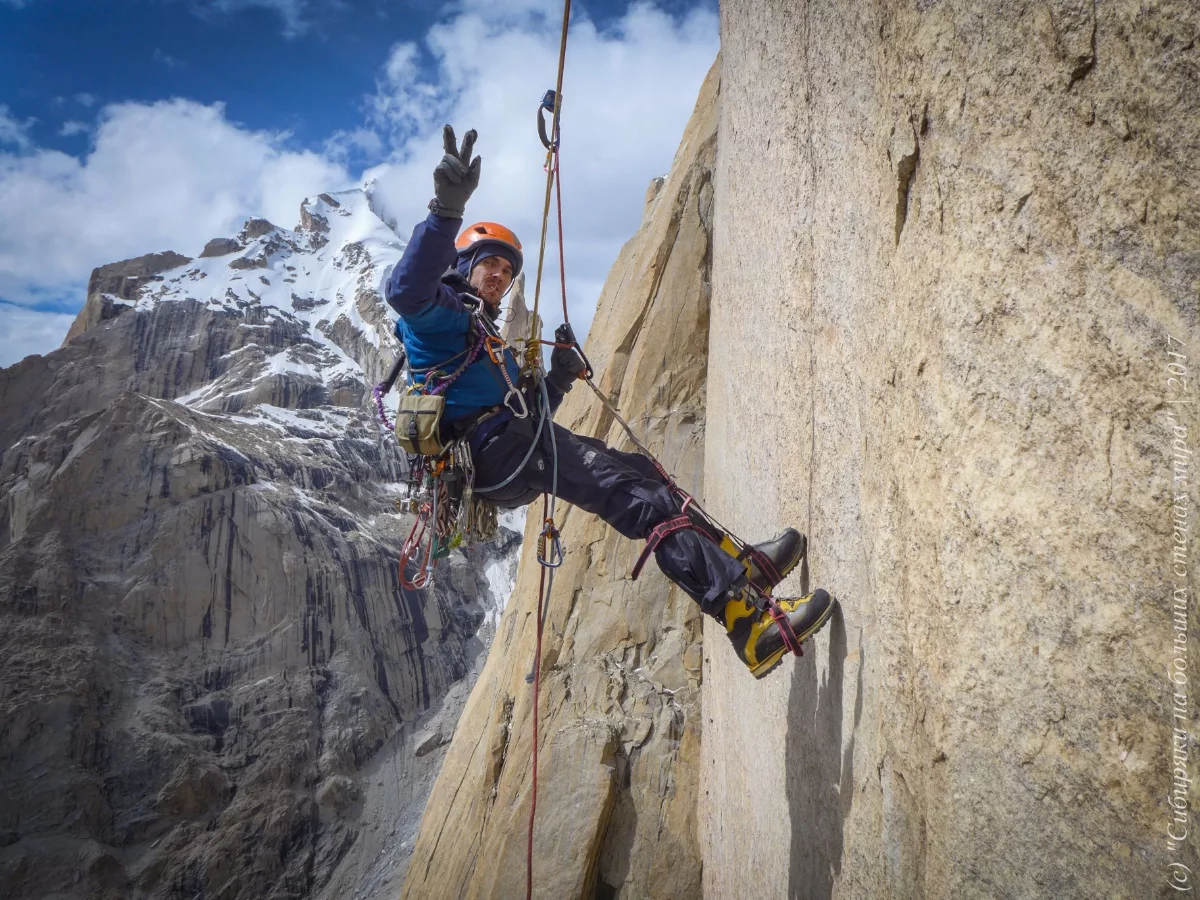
550	535
495	349
521	409
549	101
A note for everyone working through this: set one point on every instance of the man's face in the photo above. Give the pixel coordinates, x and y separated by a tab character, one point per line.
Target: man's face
491	278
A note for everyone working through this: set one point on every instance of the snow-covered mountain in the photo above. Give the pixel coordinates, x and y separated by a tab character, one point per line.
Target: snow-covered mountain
319	285
213	681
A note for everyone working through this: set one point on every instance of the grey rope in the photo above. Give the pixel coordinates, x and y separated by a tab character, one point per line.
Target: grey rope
532	446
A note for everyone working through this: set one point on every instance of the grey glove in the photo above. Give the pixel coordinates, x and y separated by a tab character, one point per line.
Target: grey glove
456	176
566	365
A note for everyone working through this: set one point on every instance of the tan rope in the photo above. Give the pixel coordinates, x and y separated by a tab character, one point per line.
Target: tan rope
534	350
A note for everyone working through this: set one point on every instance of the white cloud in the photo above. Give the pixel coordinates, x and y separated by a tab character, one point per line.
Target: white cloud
364	141
627	92
27	331
164	176
297	15
85	100
72	128
404	103
171	175
14	133
165	59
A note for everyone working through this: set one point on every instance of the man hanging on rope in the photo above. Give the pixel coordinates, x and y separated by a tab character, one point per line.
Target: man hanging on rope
446	289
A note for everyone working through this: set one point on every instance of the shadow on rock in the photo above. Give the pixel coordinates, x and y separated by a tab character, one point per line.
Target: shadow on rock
820	776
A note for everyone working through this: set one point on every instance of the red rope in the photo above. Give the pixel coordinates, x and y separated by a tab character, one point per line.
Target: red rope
656	536
537	662
411	549
785	627
537	681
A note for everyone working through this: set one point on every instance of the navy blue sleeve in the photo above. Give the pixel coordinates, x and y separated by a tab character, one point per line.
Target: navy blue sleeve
415	284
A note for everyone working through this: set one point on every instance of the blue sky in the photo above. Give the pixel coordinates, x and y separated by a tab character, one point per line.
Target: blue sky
53	53
130	126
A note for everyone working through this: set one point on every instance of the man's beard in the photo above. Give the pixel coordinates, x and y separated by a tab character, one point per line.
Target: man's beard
495	291
492	310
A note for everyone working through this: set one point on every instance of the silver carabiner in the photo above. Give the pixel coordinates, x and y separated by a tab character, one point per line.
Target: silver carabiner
521	404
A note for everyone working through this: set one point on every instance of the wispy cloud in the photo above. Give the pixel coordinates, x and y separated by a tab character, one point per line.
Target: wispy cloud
357	142
297	16
72	128
164	59
85	100
13	132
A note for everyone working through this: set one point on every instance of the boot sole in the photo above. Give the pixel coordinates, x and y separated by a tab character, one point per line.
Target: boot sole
767	665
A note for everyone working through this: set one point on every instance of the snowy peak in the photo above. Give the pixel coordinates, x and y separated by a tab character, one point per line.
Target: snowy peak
315	214
269	316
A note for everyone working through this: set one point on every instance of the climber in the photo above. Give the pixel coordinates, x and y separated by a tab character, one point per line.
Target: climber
439	288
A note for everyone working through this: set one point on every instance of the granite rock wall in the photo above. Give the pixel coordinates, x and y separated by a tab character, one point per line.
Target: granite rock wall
954	244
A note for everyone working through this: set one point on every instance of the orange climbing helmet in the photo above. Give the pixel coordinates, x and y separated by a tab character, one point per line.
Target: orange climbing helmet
484	239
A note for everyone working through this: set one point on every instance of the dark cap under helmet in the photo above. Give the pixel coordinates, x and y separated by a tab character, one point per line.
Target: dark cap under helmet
484	239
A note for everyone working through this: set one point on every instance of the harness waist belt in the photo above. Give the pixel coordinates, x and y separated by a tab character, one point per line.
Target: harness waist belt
461	428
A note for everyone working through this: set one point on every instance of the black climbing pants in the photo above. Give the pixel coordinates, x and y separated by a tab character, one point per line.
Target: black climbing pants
623	489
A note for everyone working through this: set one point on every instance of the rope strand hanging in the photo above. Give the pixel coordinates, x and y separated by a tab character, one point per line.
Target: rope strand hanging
533	352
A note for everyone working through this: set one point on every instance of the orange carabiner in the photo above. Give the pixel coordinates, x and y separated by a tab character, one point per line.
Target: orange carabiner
495	349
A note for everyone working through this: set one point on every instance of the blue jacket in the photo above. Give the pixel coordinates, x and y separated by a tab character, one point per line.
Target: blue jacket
434	324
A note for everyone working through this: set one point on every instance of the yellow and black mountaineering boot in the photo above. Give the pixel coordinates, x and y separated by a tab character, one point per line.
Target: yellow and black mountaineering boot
769	563
753	620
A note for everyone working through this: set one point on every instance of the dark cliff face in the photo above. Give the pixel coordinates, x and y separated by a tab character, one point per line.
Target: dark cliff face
121	281
204	636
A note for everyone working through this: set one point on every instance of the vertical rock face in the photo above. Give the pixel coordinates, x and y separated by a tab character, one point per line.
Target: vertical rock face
110	286
619	700
207	653
955	242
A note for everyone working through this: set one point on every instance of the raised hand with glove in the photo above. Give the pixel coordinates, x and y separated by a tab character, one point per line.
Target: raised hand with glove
456	176
566	363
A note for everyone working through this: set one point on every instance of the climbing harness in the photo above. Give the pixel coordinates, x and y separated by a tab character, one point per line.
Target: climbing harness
440	487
